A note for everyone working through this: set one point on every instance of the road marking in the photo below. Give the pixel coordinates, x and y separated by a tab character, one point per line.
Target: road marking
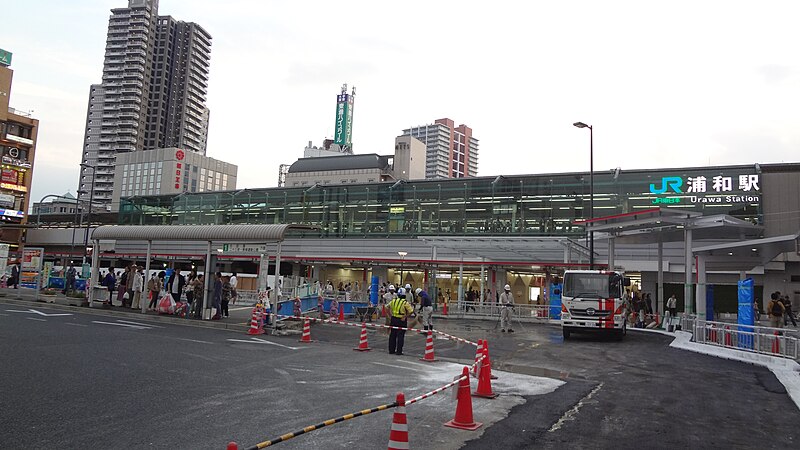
1	314
395	366
195	340
137	327
299	370
261	341
242	308
570	415
39	313
36	318
138	324
76	324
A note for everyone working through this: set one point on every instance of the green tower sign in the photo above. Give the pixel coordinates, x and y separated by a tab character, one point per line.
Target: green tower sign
343	135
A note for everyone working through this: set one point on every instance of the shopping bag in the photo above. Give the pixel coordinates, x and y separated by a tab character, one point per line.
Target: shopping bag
166	305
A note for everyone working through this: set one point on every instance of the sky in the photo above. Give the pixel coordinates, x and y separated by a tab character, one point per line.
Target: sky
663	83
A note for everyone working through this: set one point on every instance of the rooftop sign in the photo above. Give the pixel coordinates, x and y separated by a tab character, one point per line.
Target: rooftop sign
5	58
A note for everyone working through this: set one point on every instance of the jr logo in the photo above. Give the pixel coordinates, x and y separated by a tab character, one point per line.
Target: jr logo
673	183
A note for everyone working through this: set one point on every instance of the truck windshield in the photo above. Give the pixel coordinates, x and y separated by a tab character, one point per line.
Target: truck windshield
586	285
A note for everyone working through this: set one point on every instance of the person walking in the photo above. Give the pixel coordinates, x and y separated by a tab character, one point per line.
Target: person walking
70	276
217	296
137	287
672	306
756	310
399	310
14	280
198	294
110	283
234	281
776	311
506	307
123	287
175	285
427	309
384	301
227	296
153	288
789	315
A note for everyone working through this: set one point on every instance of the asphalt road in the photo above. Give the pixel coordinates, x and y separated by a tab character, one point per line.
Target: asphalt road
94	381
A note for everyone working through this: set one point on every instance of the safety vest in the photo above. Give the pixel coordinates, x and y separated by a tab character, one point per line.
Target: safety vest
397	307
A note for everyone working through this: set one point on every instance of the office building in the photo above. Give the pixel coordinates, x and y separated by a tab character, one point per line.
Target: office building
18	132
452	152
152	93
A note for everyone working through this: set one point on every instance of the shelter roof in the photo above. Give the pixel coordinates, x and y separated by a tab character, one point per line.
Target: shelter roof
227	233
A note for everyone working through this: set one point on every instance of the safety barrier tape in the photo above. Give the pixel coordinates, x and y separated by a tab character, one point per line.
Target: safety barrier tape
435	391
326	423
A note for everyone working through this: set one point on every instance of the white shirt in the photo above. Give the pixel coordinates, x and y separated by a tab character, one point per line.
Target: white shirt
233	281
506	298
671	302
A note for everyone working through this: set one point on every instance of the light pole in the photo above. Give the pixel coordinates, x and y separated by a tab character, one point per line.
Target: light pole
39	216
89	216
591	189
402	263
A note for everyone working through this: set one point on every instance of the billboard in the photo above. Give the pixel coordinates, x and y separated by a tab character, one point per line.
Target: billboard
5	58
343	135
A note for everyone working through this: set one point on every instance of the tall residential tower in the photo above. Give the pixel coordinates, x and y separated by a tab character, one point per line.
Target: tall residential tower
152	94
452	152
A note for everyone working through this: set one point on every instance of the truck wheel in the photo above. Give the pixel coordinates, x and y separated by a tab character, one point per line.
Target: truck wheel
619	334
566	333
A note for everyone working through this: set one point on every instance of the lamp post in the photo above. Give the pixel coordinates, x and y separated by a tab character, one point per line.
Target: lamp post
402	263
591	189
89	216
39	215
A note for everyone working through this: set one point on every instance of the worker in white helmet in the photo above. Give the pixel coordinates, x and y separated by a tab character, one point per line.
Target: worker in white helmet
506	308
385	300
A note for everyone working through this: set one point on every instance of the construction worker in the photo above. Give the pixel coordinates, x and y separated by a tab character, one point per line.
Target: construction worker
385	300
426	307
399	310
506	307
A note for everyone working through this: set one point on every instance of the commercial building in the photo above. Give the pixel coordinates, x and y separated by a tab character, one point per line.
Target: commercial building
18	132
452	151
152	93
170	171
64	204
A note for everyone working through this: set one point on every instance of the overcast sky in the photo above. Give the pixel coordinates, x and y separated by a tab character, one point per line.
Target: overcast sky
665	84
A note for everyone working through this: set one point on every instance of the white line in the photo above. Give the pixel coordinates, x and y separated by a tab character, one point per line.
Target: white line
16	310
76	324
570	415
139	324
240	308
299	370
36	318
122	325
396	367
195	340
261	341
1	314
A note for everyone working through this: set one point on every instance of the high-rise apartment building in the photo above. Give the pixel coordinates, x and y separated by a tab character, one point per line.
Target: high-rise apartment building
152	94
452	152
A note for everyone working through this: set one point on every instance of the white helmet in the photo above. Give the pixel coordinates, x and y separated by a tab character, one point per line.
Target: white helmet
401	292
507	287
417	291
391	287
408	286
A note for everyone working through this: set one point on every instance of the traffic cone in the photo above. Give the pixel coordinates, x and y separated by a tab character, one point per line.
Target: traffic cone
478	354
429	356
712	334
363	345
306	331
728	340
341	313
485	378
488	358
232	446
776	345
398	435
444	309
463	419
255	322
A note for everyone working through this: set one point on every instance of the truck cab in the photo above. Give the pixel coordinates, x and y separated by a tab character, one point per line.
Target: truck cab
592	300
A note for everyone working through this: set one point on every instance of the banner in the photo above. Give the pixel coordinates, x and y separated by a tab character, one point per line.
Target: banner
555	300
746	319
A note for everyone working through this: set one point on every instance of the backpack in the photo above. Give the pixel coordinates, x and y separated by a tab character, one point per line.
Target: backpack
776	309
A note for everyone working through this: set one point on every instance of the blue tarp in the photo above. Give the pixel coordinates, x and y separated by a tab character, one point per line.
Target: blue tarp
373	290
745	316
555	300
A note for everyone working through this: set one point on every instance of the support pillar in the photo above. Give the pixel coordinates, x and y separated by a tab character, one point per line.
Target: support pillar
701	287
611	249
660	294
145	302
278	285
207	282
93	273
483	276
687	286
461	282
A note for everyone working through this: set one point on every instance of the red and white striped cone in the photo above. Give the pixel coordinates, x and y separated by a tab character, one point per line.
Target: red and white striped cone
363	345
478	354
255	322
776	345
306	331
485	378
728	338
488	359
398	436
463	419
429	356
341	313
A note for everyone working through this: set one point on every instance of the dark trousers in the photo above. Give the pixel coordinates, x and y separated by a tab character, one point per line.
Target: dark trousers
153	299
225	308
397	337
789	316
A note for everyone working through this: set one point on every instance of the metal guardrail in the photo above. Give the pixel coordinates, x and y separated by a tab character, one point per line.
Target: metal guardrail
779	342
520	312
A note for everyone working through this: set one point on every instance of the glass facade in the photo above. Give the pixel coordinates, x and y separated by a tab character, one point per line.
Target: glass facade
519	205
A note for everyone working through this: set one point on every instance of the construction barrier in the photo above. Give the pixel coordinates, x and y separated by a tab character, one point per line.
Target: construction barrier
463	419
485	377
363	345
306	331
398	433
429	356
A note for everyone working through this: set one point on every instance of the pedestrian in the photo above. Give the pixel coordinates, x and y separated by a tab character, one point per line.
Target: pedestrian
188	288
384	302
757	310
787	306
198	294
334	309
321	306
175	285
138	285
70	275
14	280
227	295
672	305
110	283
217	297
506	307
234	281
399	309
297	307
648	303
123	287
470	301
153	288
427	309
776	311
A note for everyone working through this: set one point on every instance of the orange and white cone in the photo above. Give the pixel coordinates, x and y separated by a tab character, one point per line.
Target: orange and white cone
255	322
444	309
488	358
306	331
363	345
463	419
341	313
776	345
429	356
478	354
398	436
485	378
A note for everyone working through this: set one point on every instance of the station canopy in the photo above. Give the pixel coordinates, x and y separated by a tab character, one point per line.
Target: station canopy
214	233
749	253
533	250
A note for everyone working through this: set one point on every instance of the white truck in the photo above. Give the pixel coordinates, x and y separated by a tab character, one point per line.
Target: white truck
592	300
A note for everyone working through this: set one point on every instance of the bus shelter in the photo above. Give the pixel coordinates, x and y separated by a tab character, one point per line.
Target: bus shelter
209	234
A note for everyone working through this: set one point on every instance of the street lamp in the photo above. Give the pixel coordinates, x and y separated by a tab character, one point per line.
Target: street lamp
88	217
402	263
591	189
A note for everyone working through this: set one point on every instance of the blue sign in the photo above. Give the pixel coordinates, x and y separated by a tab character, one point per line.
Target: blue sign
746	320
555	300
667	183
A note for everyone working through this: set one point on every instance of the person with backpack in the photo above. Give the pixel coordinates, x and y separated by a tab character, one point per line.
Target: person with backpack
776	311
787	307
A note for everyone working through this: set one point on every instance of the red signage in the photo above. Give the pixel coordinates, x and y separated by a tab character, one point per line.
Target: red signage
10	176
179	155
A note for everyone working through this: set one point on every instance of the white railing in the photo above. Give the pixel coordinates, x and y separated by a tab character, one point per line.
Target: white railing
780	342
477	309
